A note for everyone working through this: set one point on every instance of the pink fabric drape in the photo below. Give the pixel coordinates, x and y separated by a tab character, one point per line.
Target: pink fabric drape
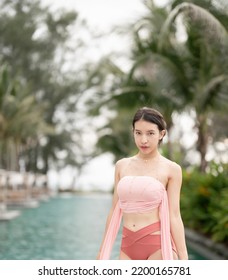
166	245
111	233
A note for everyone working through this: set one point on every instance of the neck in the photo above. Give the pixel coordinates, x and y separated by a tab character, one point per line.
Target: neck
151	156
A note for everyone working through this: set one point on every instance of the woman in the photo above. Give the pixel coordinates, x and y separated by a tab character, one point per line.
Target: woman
147	197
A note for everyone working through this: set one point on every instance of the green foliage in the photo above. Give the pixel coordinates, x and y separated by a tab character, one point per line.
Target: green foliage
117	138
21	120
33	41
204	202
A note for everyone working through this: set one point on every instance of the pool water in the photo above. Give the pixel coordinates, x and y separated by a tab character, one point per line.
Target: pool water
67	227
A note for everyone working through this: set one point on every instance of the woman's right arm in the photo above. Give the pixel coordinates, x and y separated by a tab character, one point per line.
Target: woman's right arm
114	201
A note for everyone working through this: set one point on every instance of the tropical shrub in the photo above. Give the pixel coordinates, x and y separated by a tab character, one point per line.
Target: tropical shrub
204	202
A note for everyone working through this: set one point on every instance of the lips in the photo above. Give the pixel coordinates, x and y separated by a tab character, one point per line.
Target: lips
144	147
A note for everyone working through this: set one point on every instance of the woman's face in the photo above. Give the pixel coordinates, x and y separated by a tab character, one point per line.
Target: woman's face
147	136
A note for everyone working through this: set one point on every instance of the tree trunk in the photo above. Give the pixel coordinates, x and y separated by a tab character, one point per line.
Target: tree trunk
202	142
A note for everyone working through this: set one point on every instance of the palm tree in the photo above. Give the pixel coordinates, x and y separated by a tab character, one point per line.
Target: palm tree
176	73
183	74
154	79
206	73
22	121
37	57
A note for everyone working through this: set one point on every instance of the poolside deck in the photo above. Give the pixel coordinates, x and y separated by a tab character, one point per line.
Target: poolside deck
21	190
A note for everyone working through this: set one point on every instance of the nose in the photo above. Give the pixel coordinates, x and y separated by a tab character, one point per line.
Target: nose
144	139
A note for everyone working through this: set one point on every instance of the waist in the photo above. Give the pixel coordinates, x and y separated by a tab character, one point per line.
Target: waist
135	221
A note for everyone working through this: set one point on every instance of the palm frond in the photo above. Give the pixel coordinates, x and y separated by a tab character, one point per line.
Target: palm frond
210	91
195	15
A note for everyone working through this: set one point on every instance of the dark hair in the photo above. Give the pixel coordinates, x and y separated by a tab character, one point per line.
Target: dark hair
149	115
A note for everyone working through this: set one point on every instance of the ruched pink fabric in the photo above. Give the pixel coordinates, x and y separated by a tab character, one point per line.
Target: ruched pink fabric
139	194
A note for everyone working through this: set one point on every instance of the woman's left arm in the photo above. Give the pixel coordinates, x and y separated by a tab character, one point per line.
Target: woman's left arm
176	224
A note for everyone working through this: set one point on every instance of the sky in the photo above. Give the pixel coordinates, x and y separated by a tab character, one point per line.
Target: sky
102	14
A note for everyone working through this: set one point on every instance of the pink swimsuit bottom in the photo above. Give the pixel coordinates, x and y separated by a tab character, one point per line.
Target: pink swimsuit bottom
141	244
140	194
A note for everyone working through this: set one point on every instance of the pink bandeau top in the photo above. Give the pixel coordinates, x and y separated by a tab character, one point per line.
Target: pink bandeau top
139	194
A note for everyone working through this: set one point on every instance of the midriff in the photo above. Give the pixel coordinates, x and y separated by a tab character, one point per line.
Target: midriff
136	221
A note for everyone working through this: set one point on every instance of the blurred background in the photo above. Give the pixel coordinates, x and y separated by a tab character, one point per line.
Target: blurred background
72	74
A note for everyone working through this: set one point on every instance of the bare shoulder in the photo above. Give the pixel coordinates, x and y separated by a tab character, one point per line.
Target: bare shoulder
121	163
176	168
173	168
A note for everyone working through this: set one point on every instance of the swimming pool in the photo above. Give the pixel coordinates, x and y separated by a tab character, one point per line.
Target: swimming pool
67	227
